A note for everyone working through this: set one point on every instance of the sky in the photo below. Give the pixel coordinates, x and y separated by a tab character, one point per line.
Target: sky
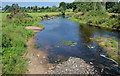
39	3
26	4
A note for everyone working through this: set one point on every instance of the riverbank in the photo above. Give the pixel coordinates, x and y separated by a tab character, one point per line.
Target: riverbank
14	38
98	19
110	45
38	62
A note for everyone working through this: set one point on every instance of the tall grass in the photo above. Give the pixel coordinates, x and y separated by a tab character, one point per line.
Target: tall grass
14	38
99	18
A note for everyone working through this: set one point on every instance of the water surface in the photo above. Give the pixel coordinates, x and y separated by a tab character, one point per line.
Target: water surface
61	29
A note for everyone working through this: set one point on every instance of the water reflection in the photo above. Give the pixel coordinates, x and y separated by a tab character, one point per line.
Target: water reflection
50	40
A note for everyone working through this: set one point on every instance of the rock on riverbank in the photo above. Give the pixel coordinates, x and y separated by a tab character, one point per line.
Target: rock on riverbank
73	66
34	28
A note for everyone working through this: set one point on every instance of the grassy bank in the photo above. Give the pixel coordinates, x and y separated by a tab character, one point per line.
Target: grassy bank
14	38
98	19
49	13
110	45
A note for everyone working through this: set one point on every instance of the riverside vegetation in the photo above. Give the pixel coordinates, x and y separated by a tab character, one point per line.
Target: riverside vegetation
98	19
110	45
14	38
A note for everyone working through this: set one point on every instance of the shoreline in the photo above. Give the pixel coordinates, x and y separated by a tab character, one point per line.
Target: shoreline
94	25
110	45
38	62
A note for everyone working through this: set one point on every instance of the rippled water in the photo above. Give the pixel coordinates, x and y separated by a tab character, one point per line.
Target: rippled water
61	29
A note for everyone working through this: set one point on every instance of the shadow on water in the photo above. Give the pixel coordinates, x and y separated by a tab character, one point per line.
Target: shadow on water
61	29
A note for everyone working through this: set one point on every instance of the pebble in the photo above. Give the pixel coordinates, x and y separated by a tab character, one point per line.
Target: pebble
29	62
38	55
91	63
32	54
73	66
51	68
41	62
44	57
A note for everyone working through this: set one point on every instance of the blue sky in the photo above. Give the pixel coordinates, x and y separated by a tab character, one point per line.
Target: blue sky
26	4
40	3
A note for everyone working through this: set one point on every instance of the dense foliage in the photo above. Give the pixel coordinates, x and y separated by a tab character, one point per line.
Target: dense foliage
75	6
98	18
31	9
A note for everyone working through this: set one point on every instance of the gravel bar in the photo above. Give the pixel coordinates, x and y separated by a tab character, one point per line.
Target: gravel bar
73	66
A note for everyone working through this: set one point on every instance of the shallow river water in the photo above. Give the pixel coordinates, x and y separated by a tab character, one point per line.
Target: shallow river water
61	29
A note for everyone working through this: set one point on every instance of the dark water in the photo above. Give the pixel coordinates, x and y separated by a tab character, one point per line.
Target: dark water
61	29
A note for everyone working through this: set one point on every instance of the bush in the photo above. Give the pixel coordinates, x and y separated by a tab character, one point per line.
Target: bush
46	15
113	16
111	22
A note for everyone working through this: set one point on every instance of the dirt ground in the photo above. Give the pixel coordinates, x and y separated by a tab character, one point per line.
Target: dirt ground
38	62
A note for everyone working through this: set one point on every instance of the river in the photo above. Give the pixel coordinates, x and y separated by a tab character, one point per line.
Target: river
62	29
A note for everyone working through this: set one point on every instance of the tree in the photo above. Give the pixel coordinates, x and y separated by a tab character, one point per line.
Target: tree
54	8
35	9
6	7
28	8
42	7
47	7
15	6
63	5
74	7
69	5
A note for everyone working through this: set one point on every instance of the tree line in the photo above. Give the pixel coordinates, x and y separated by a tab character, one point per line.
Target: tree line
112	7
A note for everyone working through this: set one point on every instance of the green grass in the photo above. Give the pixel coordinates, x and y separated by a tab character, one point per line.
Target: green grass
14	38
99	18
4	15
48	13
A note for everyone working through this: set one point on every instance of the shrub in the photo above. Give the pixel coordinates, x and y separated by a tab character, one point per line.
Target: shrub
46	15
113	16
